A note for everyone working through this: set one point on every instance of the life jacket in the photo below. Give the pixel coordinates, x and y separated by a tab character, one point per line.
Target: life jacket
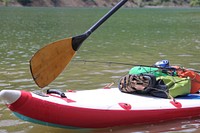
195	78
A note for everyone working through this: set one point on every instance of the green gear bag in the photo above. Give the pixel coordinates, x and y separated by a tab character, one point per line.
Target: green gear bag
176	86
147	70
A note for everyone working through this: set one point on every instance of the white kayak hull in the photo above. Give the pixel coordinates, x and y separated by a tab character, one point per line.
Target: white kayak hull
98	108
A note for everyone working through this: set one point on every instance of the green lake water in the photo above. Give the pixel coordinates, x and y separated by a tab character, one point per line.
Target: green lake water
132	35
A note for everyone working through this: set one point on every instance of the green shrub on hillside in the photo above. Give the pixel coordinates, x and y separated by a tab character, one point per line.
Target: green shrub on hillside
195	3
24	2
5	2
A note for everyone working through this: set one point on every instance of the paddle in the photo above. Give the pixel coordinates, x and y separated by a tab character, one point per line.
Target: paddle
50	61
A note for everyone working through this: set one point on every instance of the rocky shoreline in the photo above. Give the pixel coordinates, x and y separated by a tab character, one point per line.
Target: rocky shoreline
92	3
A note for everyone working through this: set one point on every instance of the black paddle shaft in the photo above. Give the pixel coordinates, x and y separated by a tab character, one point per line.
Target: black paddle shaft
78	40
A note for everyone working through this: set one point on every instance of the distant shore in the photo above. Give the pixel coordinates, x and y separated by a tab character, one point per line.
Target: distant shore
91	3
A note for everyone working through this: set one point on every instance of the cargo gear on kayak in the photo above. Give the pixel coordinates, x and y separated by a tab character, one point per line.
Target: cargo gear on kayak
160	68
163	86
173	85
194	76
183	73
132	83
152	70
162	63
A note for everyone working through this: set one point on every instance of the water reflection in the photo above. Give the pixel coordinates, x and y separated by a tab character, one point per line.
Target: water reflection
183	126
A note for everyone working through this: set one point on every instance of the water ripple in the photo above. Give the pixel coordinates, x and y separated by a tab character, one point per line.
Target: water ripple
20	80
6	123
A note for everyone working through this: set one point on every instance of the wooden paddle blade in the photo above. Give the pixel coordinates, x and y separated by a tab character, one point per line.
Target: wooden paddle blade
50	61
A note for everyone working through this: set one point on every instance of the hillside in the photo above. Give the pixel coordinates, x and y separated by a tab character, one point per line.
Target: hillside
95	3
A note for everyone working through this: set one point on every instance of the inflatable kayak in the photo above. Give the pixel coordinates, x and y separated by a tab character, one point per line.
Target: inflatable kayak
98	108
